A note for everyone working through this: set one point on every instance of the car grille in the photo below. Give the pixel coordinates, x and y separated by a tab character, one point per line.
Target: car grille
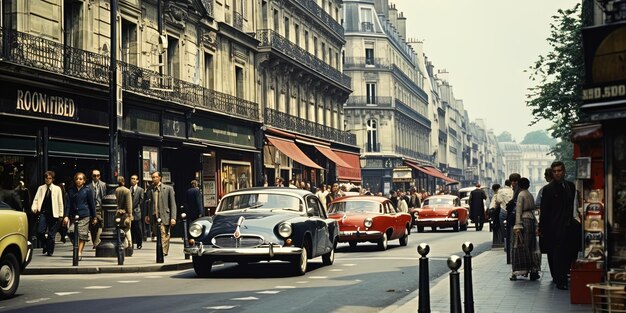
245	241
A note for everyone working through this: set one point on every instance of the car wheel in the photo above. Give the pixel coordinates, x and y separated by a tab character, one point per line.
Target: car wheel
300	262
464	226
434	228
202	266
329	258
383	242
9	276
420	229
456	227
404	240
352	244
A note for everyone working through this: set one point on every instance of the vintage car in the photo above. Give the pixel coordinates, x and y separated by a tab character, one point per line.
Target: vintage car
441	211
257	224
369	218
15	249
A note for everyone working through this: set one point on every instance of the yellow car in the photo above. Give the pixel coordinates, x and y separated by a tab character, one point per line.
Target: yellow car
15	249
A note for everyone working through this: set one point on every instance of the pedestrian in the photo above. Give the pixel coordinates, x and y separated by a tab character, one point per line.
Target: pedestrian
525	254
510	209
557	224
80	203
504	195
278	182
394	198
7	194
136	227
98	189
477	206
415	200
161	204
48	202
193	202
403	207
547	175
334	193
494	213
124	210
321	194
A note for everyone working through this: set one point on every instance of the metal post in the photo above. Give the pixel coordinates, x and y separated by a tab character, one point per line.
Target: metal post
454	263
507	240
75	247
119	246
185	238
113	111
159	243
424	288
467	275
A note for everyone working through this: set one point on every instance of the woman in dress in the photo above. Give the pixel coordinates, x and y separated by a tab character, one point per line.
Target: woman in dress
525	250
80	203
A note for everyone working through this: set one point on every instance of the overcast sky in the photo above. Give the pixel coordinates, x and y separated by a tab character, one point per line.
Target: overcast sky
486	45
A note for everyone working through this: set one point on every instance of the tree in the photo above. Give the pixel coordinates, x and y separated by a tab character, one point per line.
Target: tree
559	76
539	137
505	136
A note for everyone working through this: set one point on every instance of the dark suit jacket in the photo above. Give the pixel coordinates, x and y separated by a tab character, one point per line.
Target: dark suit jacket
167	203
103	192
193	201
556	215
138	208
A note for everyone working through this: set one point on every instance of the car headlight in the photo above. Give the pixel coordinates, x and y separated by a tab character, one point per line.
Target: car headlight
195	230
284	230
453	214
416	214
368	222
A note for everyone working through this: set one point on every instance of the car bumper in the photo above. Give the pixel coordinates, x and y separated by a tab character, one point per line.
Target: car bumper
439	222
262	252
358	235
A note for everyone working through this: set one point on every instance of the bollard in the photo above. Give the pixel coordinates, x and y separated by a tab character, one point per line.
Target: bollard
159	243
507	244
119	246
75	247
424	288
467	275
185	238
454	263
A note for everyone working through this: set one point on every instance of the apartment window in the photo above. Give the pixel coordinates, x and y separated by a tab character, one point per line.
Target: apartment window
366	20
306	40
276	21
239	82
330	56
173	64
296	29
71	17
337	60
129	42
369	56
287	28
315	46
370	93
208	71
323	51
372	136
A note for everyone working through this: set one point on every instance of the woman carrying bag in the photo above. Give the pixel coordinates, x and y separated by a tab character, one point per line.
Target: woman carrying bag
525	254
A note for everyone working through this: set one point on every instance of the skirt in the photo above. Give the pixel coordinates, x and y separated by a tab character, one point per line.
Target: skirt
525	254
83	228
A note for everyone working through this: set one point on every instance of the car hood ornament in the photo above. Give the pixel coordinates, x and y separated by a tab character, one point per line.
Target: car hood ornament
237	233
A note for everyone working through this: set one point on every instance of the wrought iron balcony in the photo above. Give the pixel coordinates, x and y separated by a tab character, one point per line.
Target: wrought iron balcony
362	62
238	21
293	123
367	27
147	82
322	16
365	101
272	39
36	52
413	154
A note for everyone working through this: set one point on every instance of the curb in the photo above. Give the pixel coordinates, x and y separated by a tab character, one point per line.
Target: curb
107	269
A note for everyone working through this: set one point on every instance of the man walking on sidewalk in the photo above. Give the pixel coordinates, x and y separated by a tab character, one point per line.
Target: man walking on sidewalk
49	202
136	228
98	188
161	204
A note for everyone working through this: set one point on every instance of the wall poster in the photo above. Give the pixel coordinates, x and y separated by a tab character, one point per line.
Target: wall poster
150	161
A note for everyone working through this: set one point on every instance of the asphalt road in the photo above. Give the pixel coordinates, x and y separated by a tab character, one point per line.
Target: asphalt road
361	280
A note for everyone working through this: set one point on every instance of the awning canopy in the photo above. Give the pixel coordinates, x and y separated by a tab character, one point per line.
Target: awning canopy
331	155
290	149
353	173
435	172
419	168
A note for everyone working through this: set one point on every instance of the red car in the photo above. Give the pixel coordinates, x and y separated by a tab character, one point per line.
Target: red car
441	211
369	218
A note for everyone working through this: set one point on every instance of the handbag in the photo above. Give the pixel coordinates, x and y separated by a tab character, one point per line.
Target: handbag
575	235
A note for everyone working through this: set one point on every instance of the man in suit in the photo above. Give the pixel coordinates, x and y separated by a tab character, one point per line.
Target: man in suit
124	209
161	204
49	201
556	217
193	202
136	228
477	206
98	189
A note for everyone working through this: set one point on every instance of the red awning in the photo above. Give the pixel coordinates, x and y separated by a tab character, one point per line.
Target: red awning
331	155
435	172
417	167
290	148
353	173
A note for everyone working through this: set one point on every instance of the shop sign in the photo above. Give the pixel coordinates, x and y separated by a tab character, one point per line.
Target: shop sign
41	103
403	174
222	131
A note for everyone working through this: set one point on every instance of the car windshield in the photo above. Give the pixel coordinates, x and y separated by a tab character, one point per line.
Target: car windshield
439	202
354	206
260	201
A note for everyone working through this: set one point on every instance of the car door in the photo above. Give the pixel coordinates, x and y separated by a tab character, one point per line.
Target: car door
320	235
391	219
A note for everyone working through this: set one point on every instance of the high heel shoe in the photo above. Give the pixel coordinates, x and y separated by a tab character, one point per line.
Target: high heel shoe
534	276
513	277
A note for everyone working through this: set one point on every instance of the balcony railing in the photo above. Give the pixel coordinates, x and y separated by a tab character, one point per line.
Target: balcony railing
367	27
51	56
322	16
414	154
238	21
293	123
362	62
272	39
362	101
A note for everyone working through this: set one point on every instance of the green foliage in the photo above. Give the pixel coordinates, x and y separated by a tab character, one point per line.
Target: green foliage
505	136
539	137
559	76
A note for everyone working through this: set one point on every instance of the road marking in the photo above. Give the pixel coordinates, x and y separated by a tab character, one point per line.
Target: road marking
285	287
245	299
302	282
154	276
318	277
127	281
269	292
37	300
378	258
221	307
66	293
349	264
98	287
336	270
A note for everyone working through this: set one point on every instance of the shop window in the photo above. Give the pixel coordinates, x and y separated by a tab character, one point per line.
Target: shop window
142	121
235	175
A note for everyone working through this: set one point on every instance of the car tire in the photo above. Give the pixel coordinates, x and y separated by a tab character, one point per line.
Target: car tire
404	240
456	227
420	229
329	258
9	275
383	242
300	262
202	266
464	227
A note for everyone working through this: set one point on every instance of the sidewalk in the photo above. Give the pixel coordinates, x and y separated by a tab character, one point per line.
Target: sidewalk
494	292
143	260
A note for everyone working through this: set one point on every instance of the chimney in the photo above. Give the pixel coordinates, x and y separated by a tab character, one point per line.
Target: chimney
402	25
393	15
417	45
382	7
443	75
